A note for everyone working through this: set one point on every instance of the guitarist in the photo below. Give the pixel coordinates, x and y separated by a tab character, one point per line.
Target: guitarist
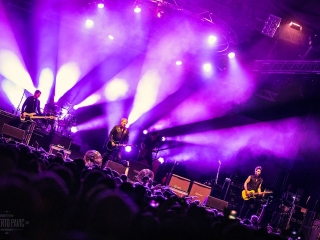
254	183
148	146
118	135
30	105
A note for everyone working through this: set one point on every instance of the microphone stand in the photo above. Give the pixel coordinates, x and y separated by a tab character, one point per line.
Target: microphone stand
18	108
217	176
212	193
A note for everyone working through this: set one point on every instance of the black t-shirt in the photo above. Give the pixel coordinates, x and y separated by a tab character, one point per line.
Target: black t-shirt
254	183
31	105
119	134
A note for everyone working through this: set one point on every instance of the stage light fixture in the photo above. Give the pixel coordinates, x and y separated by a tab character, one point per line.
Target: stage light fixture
111	37
128	148
207	67
314	40
89	23
212	39
178	63
271	25
74	129
100	5
231	55
160	11
145	132
137	7
161	160
295	26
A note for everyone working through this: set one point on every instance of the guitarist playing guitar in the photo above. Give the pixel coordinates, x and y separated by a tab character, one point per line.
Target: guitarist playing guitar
254	183
118	137
30	105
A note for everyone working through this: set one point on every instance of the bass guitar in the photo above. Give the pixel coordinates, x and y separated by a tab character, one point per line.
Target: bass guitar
28	117
116	145
252	194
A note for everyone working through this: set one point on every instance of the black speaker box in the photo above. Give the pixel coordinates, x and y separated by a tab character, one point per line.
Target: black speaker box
117	167
14	132
200	191
6	117
62	141
134	168
179	183
213	202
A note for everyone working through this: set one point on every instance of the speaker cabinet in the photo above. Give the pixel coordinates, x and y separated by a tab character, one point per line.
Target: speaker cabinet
61	141
14	132
6	117
178	192
134	168
179	183
117	167
54	149
213	202
200	191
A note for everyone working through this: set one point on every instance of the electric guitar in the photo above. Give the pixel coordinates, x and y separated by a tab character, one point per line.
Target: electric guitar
29	116
116	145
252	194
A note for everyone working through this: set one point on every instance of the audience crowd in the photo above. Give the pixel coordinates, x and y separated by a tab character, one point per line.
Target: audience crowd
59	198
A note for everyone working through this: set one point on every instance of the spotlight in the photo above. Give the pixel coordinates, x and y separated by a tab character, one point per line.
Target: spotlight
178	63
161	160
231	55
207	67
111	37
137	7
160	11
295	26
145	132
74	129
212	39
100	5
163	139
89	23
128	148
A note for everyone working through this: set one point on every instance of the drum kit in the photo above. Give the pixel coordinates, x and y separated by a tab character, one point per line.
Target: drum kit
64	119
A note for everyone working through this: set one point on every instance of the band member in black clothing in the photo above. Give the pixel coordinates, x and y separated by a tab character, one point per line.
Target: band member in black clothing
30	105
118	137
254	183
148	146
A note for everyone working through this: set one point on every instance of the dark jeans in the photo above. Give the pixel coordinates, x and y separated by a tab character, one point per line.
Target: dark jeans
249	208
116	154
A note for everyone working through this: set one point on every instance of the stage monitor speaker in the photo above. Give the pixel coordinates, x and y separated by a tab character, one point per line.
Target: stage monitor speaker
178	192
199	190
54	149
14	132
213	202
134	168
117	167
6	117
179	183
61	141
